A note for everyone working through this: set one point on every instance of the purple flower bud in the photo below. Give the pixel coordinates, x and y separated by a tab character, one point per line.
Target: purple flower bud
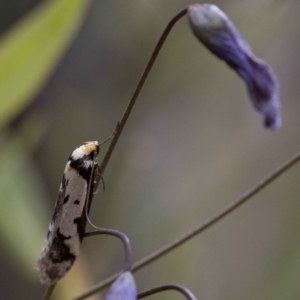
123	288
215	30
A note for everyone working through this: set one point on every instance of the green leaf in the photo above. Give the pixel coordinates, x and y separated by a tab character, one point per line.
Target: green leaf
30	51
22	213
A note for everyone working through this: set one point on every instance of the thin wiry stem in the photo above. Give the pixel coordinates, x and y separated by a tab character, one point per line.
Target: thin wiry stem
125	240
200	228
183	290
49	291
120	125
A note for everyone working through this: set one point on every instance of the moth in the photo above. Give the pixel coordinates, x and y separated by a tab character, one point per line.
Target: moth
66	230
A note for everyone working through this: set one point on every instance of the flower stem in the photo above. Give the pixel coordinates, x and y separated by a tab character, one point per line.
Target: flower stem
121	124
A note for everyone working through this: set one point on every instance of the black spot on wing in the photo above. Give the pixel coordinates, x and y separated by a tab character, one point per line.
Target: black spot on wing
66	199
62	236
81	222
57	271
59	201
85	173
76	202
78	165
60	251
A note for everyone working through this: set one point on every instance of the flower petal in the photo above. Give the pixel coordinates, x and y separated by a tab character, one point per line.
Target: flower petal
215	30
123	288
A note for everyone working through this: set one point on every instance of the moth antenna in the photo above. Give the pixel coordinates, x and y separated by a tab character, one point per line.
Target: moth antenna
106	139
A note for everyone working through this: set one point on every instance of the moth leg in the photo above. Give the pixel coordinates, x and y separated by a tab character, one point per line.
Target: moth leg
102	179
96	179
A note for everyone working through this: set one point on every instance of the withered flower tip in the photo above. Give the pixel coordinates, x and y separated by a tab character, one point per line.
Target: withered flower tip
215	30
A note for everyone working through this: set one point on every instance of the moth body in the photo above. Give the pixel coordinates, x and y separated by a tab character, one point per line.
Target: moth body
67	226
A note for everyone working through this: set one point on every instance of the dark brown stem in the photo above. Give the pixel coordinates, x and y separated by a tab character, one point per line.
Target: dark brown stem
183	290
197	230
125	240
120	126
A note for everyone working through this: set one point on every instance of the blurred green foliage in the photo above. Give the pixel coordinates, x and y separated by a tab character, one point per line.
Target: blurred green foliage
21	190
192	144
30	51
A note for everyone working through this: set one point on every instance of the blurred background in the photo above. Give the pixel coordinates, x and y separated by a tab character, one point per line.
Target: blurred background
192	144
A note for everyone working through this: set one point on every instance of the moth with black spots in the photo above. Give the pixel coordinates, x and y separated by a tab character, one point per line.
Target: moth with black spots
67	227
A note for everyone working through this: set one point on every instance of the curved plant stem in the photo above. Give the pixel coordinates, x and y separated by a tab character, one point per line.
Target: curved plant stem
125	240
183	290
200	228
120	126
49	291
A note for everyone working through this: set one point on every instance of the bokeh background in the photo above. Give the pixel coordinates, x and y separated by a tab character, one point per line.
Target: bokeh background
192	144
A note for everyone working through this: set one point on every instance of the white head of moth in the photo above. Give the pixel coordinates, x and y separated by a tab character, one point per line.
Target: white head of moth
67	227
